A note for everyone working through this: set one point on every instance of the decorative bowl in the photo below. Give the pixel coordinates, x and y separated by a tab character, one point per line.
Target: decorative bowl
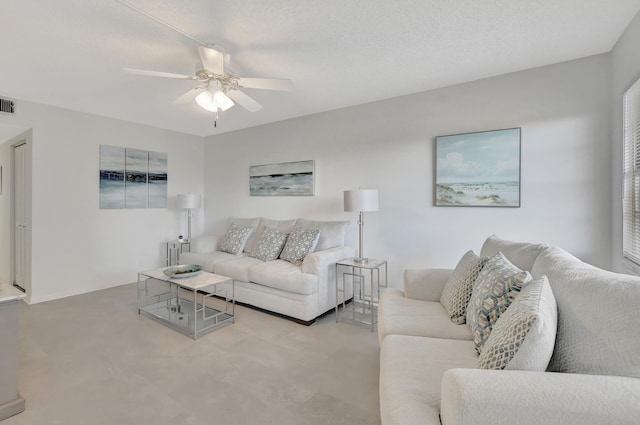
182	271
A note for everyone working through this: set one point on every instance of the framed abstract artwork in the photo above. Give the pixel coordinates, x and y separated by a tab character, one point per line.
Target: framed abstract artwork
283	179
478	169
132	178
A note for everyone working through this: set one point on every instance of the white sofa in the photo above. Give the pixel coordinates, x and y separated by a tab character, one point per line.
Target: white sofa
428	364
302	292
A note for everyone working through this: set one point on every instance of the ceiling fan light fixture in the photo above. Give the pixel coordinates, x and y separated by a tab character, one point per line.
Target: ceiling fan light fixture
223	101
214	101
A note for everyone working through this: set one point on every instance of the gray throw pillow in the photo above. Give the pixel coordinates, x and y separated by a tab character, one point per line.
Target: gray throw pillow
458	289
235	239
269	245
524	336
300	243
496	287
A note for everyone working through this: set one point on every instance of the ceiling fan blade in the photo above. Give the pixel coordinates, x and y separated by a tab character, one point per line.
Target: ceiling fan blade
189	96
244	100
158	74
266	83
212	59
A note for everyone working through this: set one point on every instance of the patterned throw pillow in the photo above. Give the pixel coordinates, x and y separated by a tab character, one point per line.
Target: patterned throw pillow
458	289
235	238
525	334
497	286
270	244
300	243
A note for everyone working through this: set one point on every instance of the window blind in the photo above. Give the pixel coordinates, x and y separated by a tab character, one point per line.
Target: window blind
631	180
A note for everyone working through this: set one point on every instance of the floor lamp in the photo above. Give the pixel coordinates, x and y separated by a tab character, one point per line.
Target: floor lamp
361	200
188	201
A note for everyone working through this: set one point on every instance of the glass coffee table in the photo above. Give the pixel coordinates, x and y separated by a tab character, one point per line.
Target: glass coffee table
193	305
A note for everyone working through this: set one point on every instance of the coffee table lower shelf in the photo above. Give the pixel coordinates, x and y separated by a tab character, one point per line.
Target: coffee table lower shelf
180	316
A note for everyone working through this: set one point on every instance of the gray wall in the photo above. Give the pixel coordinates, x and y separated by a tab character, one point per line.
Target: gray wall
564	111
625	59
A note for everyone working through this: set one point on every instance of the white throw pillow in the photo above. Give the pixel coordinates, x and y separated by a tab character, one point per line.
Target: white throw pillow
525	334
299	244
458	289
247	222
497	286
270	245
235	239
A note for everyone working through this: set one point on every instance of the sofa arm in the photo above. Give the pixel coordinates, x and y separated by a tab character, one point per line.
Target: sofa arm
425	284
203	244
318	262
471	396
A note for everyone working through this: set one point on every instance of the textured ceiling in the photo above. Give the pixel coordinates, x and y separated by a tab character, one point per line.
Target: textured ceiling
70	53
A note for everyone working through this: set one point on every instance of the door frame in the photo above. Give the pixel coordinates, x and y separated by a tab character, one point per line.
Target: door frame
25	139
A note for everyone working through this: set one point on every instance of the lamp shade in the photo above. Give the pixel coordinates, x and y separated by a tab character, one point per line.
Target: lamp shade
361	200
189	200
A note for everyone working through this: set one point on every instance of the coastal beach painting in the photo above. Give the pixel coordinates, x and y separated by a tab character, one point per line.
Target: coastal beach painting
132	178
284	179
478	169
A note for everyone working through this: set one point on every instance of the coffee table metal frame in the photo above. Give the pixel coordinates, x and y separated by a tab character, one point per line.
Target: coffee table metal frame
159	298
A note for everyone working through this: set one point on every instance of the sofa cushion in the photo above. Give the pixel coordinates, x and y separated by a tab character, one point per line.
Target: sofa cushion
269	245
524	335
332	233
300	243
497	285
236	268
597	316
459	286
208	261
253	222
411	370
283	275
520	254
235	239
405	316
284	226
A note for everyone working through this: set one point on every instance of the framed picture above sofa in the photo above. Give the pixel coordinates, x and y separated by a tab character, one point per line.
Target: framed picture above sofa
478	169
283	179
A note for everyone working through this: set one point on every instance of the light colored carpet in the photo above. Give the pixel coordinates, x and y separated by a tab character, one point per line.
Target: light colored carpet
91	359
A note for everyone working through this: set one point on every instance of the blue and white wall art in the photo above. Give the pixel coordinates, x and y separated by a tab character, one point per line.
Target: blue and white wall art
132	178
284	179
478	169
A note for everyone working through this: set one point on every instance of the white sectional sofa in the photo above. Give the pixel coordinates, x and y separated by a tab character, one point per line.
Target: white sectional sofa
299	291
429	370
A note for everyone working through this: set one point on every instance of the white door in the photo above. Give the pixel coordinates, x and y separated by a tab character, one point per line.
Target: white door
20	215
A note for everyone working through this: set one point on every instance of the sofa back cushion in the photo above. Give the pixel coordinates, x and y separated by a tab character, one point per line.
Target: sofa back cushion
598	320
520	254
332	233
284	226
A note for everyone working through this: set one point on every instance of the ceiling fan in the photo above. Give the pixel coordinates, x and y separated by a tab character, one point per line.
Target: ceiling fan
219	89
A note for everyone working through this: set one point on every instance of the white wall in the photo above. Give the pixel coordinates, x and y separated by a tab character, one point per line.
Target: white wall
625	59
76	247
564	112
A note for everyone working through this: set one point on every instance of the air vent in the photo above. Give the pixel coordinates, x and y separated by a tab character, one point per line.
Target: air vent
7	106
